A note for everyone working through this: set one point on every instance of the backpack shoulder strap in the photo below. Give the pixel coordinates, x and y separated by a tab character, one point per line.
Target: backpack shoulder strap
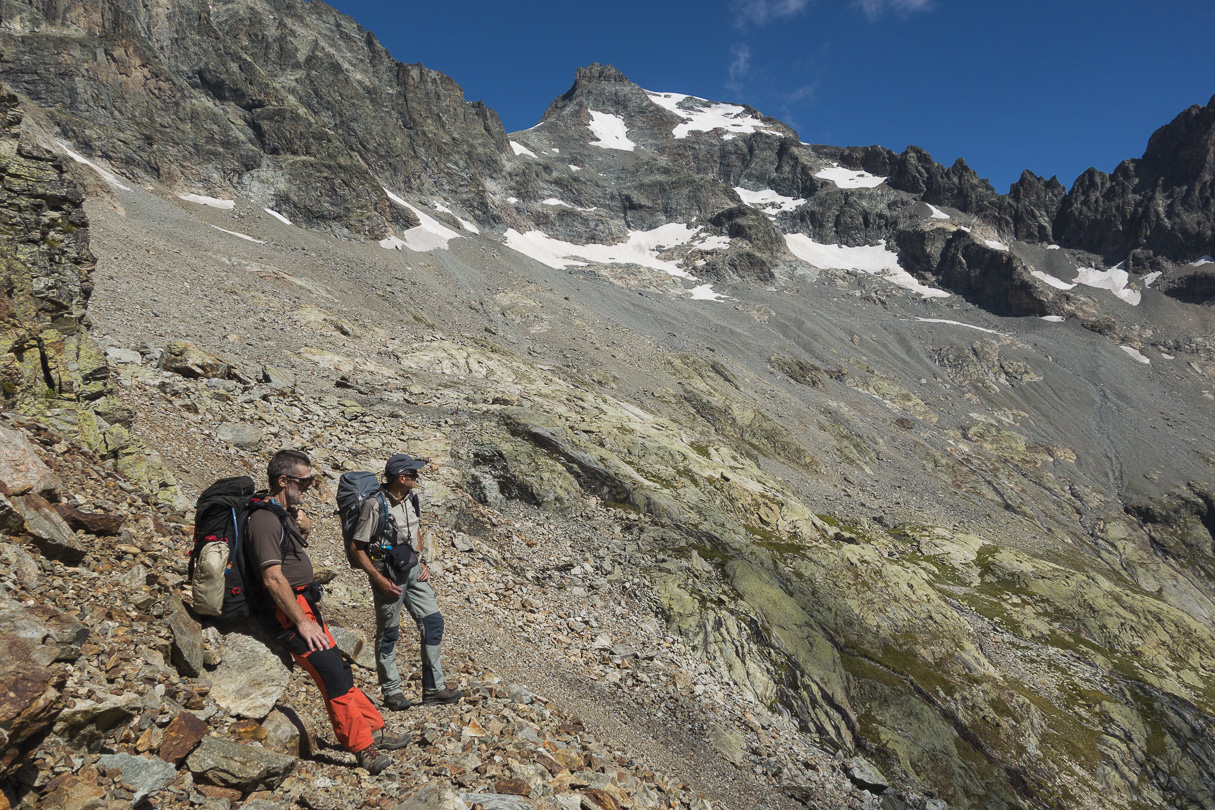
259	502
386	519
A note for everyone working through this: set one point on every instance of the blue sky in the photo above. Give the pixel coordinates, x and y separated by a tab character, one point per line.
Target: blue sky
1054	86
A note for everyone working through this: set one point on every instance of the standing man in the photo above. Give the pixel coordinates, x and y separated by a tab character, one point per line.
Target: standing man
399	575
277	532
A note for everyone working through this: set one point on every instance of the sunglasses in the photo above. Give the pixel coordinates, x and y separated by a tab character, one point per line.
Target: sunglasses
304	483
411	474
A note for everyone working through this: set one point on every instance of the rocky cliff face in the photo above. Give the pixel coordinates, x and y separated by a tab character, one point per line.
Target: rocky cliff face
50	366
982	560
267	118
1163	202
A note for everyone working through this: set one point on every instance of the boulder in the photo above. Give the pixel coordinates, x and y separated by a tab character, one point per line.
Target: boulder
123	357
729	743
251	678
187	639
30	701
99	525
231	765
596	799
497	801
22	471
865	775
181	736
354	646
187	360
145	776
11	521
245	437
73	791
89	721
277	378
56	636
48	532
18	561
290	733
281	734
436	796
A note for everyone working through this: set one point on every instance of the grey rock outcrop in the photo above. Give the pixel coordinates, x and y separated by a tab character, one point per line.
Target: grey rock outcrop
146	776
250	678
245	768
1163	201
280	142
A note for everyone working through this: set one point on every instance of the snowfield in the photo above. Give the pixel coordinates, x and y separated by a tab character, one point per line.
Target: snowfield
109	177
213	202
700	115
848	178
611	132
641	248
768	201
430	235
875	260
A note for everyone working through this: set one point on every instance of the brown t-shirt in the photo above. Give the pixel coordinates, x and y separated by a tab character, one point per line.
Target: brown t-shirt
270	545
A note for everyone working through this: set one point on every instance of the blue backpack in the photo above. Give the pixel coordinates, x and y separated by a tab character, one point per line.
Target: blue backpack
354	488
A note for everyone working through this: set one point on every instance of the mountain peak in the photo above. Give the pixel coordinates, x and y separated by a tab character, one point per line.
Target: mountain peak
603	87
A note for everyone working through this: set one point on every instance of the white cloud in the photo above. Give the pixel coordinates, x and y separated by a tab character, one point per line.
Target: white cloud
762	12
874	9
740	68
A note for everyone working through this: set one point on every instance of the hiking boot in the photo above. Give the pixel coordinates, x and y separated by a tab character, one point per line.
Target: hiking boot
396	703
443	696
390	742
373	761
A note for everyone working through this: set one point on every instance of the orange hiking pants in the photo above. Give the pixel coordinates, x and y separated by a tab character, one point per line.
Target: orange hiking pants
353	716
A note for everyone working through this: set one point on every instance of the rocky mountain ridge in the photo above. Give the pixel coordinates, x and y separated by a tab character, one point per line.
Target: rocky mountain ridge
322	153
845	470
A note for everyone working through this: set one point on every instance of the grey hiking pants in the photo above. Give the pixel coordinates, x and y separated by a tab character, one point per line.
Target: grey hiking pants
419	597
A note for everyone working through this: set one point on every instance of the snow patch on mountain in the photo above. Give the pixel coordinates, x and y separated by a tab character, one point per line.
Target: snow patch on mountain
937	213
875	260
1114	279
700	115
959	323
704	292
996	244
563	203
109	177
850	178
768	201
519	149
1202	261
241	235
430	235
610	131
464	223
213	202
277	216
1057	283
1135	353
1150	278
641	248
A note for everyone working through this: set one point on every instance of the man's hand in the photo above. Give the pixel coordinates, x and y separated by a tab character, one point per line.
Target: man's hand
384	585
424	574
312	633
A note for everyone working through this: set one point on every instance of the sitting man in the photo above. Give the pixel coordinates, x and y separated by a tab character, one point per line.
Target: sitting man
277	538
399	575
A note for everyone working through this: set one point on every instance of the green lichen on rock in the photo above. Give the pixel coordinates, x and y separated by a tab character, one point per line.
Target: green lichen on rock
49	366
